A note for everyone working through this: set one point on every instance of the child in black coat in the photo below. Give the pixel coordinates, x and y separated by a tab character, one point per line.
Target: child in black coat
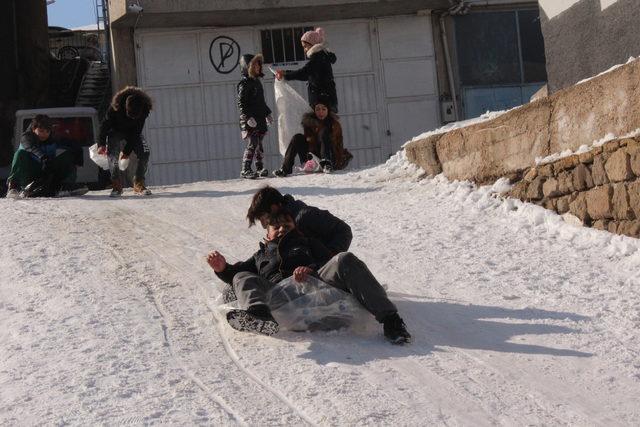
255	115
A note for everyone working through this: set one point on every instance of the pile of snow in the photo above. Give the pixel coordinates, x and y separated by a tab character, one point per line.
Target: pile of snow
109	311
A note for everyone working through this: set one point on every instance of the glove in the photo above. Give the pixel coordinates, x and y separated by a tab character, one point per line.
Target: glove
269	119
252	122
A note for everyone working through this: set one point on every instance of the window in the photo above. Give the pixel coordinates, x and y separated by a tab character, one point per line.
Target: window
500	48
281	45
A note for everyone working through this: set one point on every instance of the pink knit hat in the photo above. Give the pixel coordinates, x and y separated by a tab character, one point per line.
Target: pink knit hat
313	37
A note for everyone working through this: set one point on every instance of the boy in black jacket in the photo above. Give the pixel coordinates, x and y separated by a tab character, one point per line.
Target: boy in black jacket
285	253
255	115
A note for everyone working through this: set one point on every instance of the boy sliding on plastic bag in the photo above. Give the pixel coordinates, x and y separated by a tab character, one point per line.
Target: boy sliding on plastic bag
285	253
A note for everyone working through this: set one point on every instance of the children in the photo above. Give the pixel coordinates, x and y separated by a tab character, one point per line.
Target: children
317	72
121	134
322	137
284	253
41	163
254	115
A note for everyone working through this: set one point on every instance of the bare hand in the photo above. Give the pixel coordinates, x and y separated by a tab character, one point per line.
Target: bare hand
300	273
217	261
279	74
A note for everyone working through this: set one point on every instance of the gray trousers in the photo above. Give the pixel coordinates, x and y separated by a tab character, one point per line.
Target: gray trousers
115	145
344	271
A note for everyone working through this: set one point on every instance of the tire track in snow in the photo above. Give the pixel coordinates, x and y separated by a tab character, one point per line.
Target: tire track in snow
218	320
109	246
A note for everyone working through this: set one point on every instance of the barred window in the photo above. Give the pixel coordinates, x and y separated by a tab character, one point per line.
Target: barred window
282	45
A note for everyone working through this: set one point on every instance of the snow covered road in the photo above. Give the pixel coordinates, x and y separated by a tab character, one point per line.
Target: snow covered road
108	312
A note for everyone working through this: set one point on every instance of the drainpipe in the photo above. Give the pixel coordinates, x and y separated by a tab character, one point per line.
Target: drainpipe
447	60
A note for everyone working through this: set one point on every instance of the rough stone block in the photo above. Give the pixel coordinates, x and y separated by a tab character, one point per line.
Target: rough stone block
581	178
618	167
423	153
633	191
620	202
612	227
598	172
534	191
629	228
565	181
531	174
578	207
550	188
600	224
599	202
611	146
562	205
566	163
519	191
586	157
546	170
551	204
634	157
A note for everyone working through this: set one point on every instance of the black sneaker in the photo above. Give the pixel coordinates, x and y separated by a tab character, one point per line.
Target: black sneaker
33	189
262	172
279	173
242	320
248	174
228	294
395	330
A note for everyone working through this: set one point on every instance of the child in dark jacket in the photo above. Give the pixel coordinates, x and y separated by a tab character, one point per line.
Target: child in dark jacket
317	72
255	115
285	253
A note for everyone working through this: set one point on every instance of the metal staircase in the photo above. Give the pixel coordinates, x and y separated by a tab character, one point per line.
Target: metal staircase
95	89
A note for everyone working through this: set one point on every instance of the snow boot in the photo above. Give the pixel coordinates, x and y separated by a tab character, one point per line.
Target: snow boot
13	191
279	173
116	188
73	192
248	174
261	171
395	330
256	319
139	188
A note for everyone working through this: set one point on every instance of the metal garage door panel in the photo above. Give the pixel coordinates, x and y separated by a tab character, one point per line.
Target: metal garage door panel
221	104
220	52
178	144
405	37
170	59
412	77
178	173
413	118
176	106
351	43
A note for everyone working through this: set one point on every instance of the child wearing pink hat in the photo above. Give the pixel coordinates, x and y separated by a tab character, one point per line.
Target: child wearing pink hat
318	71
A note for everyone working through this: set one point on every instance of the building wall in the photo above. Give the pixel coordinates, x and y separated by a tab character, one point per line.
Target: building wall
586	37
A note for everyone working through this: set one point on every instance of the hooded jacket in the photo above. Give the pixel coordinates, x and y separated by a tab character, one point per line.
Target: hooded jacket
40	150
318	73
117	121
251	103
276	260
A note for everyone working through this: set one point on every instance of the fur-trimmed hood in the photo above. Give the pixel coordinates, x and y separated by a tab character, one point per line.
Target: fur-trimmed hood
120	99
246	61
320	48
309	120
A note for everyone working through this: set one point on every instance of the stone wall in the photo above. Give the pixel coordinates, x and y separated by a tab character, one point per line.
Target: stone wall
600	187
510	143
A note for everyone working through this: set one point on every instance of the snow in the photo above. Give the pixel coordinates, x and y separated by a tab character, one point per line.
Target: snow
489	115
615	67
109	311
585	148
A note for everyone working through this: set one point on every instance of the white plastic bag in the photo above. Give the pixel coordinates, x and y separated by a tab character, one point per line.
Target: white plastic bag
291	107
123	164
311	305
99	159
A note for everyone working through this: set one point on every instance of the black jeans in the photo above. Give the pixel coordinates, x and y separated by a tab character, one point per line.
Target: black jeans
297	147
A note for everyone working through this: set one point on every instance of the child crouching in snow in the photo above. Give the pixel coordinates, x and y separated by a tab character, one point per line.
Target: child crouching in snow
285	252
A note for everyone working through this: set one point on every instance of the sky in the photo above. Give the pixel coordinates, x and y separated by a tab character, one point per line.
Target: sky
72	13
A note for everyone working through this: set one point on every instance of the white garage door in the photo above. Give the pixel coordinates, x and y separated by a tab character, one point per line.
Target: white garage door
192	76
